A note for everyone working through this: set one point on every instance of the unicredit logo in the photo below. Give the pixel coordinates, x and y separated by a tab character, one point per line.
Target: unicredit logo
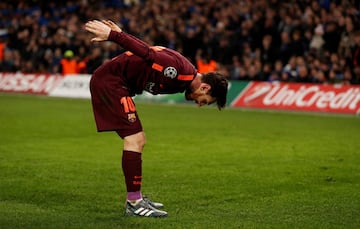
300	96
259	91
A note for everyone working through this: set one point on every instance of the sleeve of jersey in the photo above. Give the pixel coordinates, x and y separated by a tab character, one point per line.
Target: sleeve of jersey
143	50
131	43
175	68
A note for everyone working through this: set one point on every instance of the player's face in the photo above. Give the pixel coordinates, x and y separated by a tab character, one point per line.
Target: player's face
200	96
202	100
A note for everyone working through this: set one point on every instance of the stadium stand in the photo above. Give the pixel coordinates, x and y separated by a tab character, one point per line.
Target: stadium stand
269	40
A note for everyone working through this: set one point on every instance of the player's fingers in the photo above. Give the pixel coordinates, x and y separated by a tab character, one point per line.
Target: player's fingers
90	26
99	29
106	22
90	23
93	25
96	22
110	22
89	29
96	39
113	26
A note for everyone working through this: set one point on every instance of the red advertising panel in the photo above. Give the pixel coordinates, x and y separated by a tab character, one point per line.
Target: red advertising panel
28	83
304	97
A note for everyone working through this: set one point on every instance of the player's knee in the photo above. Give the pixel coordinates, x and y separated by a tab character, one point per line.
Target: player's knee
135	142
141	141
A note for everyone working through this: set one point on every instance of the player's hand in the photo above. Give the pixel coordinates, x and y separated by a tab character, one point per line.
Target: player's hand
112	25
99	29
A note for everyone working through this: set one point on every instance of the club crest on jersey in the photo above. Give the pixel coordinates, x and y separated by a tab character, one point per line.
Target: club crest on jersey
170	72
132	117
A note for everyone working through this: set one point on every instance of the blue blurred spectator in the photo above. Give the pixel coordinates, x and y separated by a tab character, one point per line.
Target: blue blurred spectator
249	40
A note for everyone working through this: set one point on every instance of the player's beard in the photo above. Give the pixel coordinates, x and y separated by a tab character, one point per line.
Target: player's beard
188	93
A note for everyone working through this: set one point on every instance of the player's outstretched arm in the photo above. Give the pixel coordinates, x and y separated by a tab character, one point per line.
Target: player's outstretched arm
100	29
107	30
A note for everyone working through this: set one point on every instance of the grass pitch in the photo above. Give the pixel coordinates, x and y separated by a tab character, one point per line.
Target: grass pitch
211	169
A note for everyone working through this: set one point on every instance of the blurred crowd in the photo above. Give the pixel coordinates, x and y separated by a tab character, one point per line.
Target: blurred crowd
267	40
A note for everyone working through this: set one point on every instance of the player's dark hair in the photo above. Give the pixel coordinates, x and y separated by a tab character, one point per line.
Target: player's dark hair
219	87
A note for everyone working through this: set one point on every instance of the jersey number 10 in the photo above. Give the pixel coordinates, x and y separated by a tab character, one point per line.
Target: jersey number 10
128	104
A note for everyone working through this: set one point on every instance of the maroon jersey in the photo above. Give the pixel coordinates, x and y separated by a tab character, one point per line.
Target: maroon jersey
156	69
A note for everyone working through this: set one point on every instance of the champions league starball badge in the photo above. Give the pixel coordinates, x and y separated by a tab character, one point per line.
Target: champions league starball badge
170	72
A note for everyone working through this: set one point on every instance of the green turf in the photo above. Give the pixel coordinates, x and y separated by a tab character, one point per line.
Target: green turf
211	169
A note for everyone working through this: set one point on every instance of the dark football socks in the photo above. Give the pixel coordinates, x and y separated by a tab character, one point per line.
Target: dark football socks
132	169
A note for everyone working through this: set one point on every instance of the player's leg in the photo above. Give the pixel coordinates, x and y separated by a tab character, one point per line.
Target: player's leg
136	205
132	164
134	141
114	109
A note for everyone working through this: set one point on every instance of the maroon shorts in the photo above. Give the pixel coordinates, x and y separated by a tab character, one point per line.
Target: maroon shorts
113	107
